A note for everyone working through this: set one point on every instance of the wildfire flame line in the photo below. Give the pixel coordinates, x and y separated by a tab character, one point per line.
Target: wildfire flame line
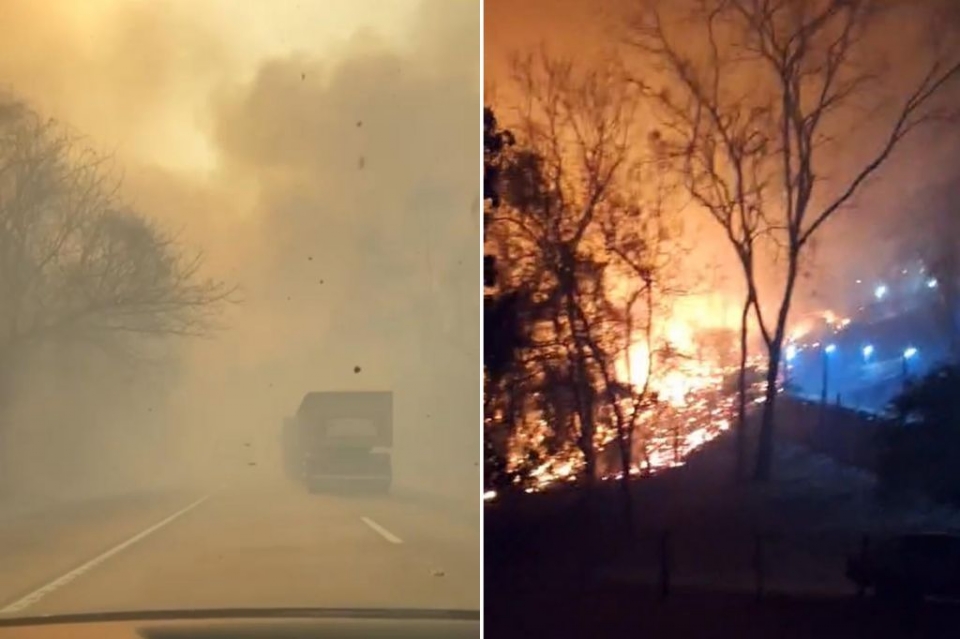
695	405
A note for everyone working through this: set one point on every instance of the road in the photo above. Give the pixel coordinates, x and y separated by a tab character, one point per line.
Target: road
253	543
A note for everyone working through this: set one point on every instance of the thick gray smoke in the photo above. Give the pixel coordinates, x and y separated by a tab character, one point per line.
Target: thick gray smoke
336	185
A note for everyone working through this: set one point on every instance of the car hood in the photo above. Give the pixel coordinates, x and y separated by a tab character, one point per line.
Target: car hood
280	623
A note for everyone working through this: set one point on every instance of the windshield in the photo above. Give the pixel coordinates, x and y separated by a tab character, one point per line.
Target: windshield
239	310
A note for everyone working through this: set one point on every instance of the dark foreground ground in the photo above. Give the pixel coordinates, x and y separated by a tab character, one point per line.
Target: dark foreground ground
630	611
553	576
564	564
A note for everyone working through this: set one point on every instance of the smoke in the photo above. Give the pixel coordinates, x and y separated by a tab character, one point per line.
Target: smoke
861	241
335	182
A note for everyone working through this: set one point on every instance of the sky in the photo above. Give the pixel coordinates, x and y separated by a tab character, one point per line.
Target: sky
911	182
324	156
139	75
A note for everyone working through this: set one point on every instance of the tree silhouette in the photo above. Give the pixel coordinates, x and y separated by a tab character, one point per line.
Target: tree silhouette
77	265
760	98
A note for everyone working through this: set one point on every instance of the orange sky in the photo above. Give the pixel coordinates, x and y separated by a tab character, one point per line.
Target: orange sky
581	29
138	75
570	26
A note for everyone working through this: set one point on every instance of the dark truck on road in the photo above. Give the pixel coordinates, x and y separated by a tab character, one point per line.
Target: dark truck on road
341	440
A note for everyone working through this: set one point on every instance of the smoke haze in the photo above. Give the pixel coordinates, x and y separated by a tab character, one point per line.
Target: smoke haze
324	157
861	242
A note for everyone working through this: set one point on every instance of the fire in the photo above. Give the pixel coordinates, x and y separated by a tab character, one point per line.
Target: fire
679	370
814	321
693	406
692	410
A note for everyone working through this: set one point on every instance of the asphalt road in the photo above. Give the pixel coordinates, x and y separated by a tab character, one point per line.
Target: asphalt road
253	543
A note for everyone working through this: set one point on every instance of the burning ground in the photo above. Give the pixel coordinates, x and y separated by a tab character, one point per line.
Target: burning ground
697	405
809	518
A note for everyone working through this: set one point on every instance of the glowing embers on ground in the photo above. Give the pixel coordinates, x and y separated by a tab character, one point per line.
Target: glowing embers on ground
818	323
531	441
695	403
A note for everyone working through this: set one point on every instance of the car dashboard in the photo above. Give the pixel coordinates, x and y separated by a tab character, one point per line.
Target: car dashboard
248	625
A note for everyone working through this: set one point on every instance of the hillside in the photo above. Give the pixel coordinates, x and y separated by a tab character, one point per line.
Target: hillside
800	527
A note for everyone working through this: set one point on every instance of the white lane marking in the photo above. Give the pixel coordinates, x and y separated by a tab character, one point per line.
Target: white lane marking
63	580
380	530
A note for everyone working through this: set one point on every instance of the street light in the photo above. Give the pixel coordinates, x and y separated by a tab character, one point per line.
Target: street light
789	355
791	352
909	353
827	350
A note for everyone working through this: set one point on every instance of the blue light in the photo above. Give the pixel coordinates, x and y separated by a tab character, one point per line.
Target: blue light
867	351
791	352
880	292
910	352
830	348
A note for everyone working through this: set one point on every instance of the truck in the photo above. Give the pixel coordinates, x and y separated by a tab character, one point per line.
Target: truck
341	441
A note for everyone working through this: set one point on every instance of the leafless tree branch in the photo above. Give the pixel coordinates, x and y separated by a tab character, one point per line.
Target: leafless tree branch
747	102
75	263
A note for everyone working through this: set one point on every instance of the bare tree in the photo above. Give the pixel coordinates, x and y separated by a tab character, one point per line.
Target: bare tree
717	145
575	127
642	237
774	86
932	237
76	265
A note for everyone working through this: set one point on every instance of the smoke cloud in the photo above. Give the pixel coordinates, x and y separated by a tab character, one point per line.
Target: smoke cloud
862	241
325	160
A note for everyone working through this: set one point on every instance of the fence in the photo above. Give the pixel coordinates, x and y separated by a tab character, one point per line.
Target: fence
847	435
758	562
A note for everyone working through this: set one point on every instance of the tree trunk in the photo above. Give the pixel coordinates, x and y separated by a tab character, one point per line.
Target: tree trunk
589	455
765	443
676	444
774	351
742	395
626	438
626	449
582	386
583	399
